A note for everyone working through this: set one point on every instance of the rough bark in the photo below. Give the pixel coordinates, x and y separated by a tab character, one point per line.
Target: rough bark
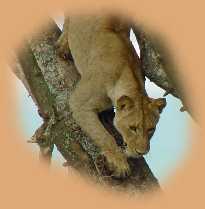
51	81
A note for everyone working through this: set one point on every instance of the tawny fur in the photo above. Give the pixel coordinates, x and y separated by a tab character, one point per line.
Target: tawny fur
110	76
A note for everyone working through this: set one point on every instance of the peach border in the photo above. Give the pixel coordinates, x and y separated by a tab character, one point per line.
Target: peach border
24	184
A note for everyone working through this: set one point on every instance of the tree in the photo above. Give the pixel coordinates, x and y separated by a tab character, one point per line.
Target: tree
50	80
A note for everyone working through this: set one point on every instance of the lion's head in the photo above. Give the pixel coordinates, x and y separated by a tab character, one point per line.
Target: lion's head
136	121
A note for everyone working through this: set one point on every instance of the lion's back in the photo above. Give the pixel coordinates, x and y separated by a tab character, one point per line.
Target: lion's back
92	41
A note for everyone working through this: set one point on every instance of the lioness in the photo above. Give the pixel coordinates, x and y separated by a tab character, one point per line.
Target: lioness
110	76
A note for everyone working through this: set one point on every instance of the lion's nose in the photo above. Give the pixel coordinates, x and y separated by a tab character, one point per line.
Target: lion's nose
144	152
150	132
144	149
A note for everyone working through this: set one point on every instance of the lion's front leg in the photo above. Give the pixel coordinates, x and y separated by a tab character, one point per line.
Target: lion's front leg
89	122
87	119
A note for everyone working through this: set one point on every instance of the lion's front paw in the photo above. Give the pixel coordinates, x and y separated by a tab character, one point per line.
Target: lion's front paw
117	162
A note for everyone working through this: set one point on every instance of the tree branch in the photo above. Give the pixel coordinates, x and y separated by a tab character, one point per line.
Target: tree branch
158	65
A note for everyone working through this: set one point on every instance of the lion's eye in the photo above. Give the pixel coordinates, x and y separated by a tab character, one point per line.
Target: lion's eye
133	128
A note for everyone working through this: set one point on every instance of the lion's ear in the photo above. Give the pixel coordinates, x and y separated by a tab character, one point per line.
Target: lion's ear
160	103
124	103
